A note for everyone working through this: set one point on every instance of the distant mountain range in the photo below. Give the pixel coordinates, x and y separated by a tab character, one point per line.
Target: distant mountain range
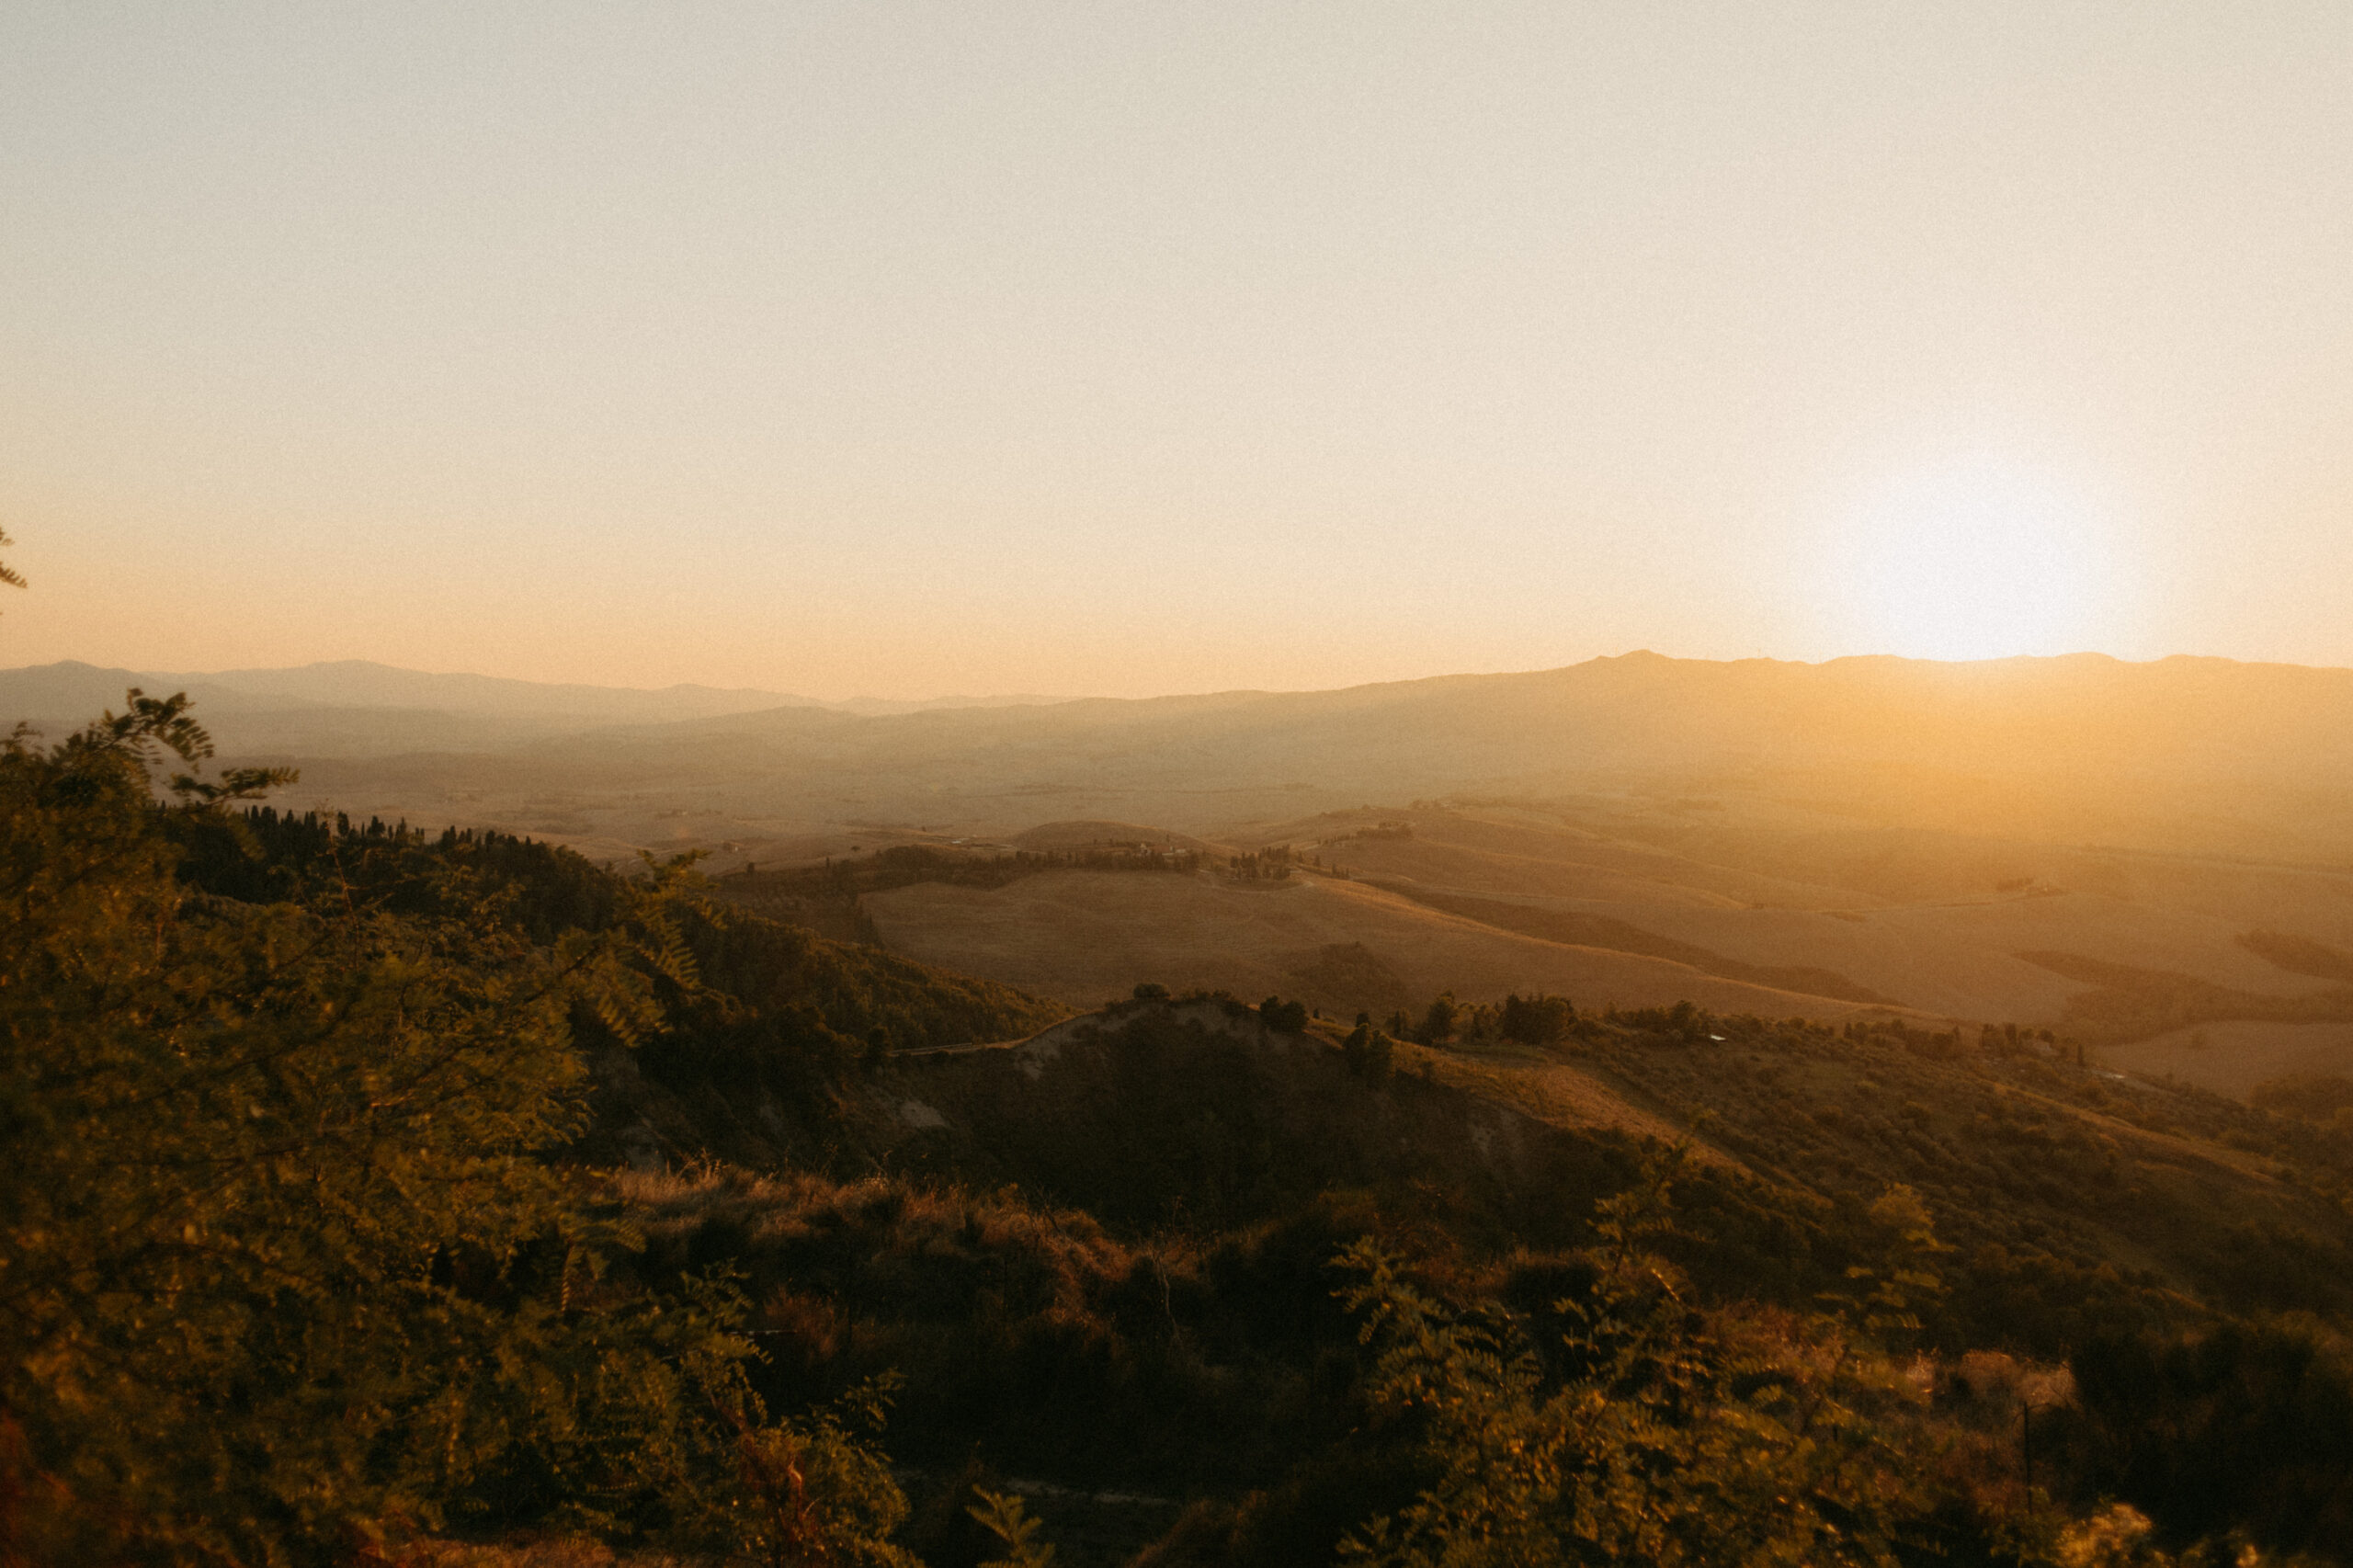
2193	754
71	691
2180	754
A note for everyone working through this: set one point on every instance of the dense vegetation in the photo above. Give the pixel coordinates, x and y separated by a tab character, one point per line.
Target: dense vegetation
363	1187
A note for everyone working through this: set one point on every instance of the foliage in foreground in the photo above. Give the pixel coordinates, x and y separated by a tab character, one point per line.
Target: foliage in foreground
278	1258
1641	1436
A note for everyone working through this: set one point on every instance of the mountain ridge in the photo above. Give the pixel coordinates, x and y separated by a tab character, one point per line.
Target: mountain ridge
368	684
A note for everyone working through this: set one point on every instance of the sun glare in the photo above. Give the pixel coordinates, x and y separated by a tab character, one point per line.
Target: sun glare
1976	561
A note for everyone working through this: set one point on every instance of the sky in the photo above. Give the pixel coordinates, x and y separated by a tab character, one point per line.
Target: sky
904	350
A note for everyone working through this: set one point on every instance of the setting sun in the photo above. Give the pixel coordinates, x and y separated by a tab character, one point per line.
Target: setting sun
1978	560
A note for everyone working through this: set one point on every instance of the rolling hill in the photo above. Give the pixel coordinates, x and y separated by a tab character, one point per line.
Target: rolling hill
1868	832
1082	937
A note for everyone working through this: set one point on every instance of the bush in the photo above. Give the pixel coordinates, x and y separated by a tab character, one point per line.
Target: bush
2247	1425
1284	1018
1537	1020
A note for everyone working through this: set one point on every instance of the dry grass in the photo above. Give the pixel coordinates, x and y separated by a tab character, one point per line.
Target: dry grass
1917	917
2232	1058
1552	1093
1084	937
1935	921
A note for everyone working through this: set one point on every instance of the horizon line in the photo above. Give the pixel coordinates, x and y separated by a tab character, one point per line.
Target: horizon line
1048	698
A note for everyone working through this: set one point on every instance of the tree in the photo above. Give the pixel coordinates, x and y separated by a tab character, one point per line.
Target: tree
1285	1018
280	1254
1535	1020
1369	1053
1438	1024
8	575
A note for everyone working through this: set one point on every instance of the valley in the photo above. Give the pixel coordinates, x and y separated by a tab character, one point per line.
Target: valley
1867	837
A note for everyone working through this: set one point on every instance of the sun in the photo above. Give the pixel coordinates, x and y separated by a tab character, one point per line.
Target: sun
1976	559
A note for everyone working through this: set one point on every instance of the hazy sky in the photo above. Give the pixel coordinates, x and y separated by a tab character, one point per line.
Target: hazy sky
955	347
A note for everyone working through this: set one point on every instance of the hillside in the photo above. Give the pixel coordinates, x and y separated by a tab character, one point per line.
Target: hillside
1936	923
1167	1174
2006	1140
1082	936
634	1214
2098	1186
1621	901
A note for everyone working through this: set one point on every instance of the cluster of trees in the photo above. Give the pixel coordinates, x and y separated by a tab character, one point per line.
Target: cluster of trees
1539	1019
1272	864
1543	1019
1390	831
904	865
1027	862
2009	1039
263	856
1287	1017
